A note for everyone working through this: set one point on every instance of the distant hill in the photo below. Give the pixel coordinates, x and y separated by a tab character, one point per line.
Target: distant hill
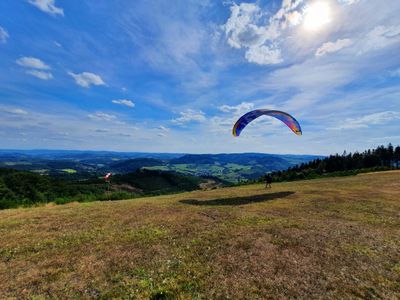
241	158
80	164
235	166
131	165
81	155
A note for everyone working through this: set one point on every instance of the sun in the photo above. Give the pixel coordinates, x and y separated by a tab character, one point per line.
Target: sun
316	16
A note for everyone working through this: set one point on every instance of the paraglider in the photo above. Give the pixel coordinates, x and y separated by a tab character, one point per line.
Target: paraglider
244	120
107	177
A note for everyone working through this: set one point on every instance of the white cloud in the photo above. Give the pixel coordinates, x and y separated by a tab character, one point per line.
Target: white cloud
331	47
40	74
190	115
47	6
380	37
371	119
16	111
3	35
242	31
268	39
240	108
247	28
32	62
125	102
263	55
86	79
37	67
100	116
240	28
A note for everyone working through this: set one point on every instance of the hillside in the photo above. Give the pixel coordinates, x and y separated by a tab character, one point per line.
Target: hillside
21	188
327	238
131	165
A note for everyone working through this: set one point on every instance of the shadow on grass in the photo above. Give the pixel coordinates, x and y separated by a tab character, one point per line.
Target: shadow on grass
238	200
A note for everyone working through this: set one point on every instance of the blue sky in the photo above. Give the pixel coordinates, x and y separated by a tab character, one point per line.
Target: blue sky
173	76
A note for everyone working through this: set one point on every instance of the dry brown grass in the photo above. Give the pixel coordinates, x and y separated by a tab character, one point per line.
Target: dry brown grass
333	238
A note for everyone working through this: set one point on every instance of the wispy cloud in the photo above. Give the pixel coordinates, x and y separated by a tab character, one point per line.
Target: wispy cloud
3	35
368	120
349	2
47	6
100	116
331	47
102	130
16	111
32	62
395	73
36	67
86	79
380	37
40	74
125	102
190	115
163	128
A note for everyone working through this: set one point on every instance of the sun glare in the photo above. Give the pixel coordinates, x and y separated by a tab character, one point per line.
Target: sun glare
316	16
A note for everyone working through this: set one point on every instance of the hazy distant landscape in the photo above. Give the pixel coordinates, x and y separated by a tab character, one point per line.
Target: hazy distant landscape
229	167
38	177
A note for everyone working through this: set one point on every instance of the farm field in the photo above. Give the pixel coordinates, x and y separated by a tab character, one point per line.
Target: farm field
326	238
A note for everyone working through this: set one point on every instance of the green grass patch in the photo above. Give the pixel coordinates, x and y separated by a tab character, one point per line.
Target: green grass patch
69	171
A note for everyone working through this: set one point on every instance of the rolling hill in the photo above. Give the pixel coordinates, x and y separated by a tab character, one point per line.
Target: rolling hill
23	189
233	167
335	238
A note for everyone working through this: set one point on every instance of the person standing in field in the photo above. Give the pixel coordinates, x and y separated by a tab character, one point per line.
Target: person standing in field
268	181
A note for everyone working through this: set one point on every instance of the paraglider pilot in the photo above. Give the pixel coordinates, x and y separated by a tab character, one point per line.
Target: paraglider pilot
268	181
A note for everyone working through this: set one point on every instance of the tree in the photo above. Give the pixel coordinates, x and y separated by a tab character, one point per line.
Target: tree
397	156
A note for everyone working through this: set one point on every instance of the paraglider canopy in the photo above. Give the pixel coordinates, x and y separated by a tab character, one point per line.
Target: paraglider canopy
244	120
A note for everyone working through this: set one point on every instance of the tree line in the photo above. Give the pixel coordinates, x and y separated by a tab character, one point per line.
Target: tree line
378	159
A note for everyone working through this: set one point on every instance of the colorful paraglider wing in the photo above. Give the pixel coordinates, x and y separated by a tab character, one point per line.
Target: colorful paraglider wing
290	121
280	115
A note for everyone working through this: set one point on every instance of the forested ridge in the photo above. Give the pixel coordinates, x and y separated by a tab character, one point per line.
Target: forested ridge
22	188
378	159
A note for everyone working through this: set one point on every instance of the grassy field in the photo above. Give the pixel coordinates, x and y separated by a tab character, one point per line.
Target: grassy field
327	238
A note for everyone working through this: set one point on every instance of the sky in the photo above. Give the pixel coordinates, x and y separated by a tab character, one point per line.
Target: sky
173	76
